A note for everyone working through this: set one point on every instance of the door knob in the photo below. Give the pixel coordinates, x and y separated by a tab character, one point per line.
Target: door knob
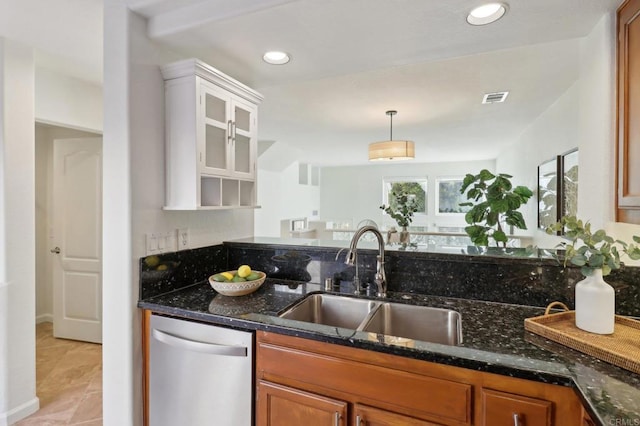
55	250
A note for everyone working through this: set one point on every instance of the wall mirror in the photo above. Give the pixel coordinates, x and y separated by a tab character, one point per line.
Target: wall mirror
570	183
548	193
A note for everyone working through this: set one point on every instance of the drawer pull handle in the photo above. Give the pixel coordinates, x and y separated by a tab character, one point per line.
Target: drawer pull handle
516	419
359	421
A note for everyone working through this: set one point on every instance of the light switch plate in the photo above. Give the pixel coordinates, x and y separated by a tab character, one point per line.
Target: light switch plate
152	243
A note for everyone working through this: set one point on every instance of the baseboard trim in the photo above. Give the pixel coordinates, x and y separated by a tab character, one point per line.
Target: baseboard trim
20	412
44	318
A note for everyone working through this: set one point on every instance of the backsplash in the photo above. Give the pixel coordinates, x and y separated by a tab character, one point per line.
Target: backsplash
171	271
525	281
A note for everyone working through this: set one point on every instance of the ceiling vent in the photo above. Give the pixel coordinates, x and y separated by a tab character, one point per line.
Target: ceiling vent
492	98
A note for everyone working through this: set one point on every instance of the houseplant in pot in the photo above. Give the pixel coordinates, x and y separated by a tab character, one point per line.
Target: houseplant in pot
493	201
405	207
597	254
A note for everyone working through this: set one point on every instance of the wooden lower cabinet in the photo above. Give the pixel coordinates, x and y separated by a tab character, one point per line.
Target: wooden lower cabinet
282	405
305	382
371	416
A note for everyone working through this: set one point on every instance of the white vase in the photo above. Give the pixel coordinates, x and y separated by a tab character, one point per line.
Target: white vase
595	304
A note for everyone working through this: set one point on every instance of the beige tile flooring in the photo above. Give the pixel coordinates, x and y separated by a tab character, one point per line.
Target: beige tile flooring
68	381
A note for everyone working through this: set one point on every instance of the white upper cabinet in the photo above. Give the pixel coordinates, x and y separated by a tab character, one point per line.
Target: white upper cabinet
211	138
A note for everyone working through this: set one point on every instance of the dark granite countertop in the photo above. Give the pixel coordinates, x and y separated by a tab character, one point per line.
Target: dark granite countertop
494	340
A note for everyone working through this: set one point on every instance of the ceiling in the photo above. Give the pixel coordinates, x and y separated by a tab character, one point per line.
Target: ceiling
352	61
66	34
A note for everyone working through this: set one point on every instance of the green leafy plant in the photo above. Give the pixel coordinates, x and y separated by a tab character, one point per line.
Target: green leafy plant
592	250
494	202
415	190
405	207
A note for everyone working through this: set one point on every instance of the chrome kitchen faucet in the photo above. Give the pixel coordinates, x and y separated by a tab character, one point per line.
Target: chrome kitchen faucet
352	257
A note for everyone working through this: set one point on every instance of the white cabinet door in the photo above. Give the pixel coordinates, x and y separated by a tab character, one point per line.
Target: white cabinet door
244	139
215	131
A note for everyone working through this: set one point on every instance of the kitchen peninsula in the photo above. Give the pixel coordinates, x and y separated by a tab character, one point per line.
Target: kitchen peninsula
493	295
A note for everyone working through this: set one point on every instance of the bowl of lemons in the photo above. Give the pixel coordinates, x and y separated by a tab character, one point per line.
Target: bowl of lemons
238	282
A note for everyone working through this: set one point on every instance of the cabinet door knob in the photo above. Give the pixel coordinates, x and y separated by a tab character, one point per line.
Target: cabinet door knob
516	419
229	132
358	421
336	419
55	250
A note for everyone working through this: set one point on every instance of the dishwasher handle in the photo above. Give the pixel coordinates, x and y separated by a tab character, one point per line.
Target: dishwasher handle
193	345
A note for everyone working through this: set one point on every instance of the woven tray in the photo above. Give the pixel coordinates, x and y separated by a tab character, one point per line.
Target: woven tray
622	348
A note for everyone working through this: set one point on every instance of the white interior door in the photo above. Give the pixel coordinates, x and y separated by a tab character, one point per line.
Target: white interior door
77	239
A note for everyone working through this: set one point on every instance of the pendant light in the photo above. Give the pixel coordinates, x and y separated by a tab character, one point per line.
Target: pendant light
391	150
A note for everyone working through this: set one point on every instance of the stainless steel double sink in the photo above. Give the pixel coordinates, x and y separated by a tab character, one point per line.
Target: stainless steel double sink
387	318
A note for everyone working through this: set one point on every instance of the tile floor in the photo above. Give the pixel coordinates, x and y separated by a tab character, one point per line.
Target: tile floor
68	381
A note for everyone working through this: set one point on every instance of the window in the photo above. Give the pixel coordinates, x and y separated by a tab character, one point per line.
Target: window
448	196
415	187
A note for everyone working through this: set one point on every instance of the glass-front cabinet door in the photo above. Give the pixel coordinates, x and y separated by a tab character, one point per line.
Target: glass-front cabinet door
243	139
215	154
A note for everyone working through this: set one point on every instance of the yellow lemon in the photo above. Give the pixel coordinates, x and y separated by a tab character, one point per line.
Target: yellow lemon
244	271
152	261
227	276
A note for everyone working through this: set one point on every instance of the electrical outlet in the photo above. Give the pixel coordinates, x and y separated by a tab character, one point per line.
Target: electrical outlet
183	238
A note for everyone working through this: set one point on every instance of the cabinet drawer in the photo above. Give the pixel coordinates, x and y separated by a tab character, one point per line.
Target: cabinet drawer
371	416
282	405
413	394
506	409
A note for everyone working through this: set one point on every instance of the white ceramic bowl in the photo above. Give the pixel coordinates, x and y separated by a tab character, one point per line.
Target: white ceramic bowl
237	288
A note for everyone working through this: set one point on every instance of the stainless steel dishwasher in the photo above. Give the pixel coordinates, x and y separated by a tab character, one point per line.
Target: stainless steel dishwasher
199	374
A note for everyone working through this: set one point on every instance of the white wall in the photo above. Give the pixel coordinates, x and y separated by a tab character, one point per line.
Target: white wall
68	101
270	200
596	130
553	132
17	233
280	196
355	192
134	196
582	117
44	137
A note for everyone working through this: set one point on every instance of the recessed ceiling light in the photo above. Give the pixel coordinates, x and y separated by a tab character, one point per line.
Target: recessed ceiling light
487	13
275	57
